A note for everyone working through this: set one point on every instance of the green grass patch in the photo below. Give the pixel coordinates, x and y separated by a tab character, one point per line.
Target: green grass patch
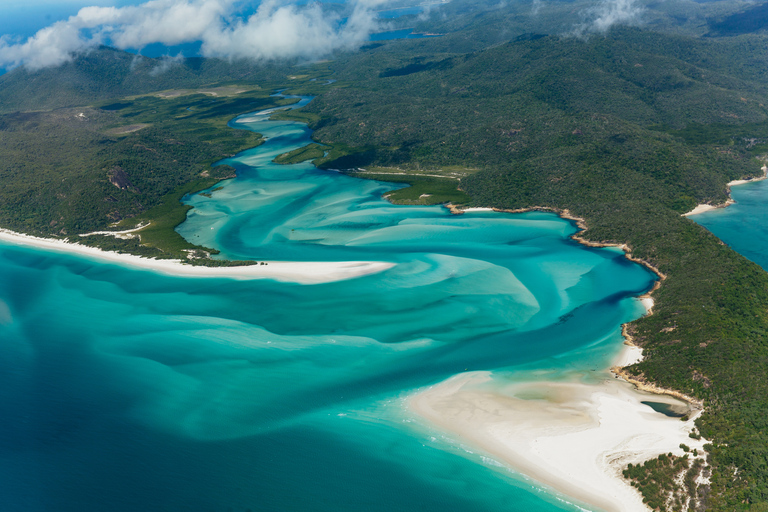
445	171
309	152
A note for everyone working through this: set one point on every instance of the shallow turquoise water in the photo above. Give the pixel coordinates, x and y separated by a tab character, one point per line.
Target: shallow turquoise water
128	390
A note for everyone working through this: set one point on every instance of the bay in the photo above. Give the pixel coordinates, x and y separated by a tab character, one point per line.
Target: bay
742	225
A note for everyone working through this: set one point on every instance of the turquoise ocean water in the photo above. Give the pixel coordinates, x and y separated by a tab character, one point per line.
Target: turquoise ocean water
126	390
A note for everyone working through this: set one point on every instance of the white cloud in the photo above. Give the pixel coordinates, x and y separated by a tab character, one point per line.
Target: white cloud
609	13
276	30
535	7
51	46
166	63
285	30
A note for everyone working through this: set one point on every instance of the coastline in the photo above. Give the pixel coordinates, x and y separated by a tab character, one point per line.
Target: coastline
582	225
572	437
302	272
579	437
704	207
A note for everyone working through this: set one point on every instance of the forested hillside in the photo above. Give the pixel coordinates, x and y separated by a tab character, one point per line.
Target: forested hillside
74	170
628	131
106	73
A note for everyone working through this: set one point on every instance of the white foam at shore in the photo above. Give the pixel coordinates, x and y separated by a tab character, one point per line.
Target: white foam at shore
303	272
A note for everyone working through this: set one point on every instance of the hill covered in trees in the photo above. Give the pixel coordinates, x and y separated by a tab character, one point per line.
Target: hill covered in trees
627	131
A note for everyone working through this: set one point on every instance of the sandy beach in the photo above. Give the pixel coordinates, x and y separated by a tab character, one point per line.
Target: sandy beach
573	437
477	209
286	271
631	354
701	208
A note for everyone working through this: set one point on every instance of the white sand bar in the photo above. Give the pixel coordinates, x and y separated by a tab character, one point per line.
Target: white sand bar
629	356
303	272
701	208
647	304
573	437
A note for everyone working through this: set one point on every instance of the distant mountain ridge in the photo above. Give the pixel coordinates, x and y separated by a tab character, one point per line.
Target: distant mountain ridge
105	73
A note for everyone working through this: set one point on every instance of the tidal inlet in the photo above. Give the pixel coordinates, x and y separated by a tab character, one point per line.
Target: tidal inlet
457	376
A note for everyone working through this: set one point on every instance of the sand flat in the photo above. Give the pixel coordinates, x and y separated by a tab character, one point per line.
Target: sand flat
573	437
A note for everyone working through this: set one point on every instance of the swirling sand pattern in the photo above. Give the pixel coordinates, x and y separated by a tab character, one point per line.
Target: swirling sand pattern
125	389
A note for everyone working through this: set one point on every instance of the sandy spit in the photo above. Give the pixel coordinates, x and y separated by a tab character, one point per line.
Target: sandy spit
302	272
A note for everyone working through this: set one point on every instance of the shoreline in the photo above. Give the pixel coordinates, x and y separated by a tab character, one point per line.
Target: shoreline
572	437
705	207
301	272
583	460
582	225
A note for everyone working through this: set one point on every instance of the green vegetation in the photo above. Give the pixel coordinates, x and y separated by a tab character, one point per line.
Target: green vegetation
163	219
295	115
422	189
753	135
124	162
426	191
752	19
627	131
656	478
343	156
308	152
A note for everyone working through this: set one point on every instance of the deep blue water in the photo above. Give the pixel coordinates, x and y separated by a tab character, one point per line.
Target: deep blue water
128	390
743	225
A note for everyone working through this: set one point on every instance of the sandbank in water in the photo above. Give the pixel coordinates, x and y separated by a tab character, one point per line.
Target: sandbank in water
571	436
